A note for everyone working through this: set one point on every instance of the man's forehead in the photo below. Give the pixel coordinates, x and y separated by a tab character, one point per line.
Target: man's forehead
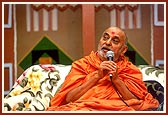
114	31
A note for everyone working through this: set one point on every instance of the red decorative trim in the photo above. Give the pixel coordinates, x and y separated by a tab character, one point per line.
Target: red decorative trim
59	7
117	7
132	8
75	7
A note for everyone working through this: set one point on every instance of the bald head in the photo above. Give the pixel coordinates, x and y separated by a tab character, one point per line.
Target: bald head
114	39
118	31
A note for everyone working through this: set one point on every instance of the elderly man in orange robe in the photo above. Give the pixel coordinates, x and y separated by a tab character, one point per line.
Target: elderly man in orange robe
88	86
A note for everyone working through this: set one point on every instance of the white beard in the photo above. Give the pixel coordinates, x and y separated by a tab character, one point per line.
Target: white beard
102	54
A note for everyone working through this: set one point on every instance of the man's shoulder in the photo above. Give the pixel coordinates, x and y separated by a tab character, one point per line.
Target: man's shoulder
86	59
80	62
133	67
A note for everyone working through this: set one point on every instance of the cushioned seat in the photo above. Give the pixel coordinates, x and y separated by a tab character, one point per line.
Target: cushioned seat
36	86
156	89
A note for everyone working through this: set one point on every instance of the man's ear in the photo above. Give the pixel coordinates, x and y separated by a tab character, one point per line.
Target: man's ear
124	49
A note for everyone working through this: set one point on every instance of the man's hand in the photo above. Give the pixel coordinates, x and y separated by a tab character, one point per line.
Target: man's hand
107	68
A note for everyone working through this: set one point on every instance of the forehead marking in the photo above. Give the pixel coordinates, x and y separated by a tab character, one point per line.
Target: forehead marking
112	32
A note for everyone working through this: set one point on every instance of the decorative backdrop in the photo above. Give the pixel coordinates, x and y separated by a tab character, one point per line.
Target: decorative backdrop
45	16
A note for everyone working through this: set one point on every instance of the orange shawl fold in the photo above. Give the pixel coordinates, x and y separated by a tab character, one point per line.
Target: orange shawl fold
103	96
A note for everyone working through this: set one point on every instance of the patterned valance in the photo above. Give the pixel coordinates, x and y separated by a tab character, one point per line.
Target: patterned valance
74	7
60	7
119	7
44	17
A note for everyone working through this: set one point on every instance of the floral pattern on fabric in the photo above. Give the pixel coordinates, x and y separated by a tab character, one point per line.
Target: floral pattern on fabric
153	73
34	89
36	86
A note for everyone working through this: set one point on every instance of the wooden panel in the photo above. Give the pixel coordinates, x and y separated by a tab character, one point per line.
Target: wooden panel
8	78
6	14
88	25
158	33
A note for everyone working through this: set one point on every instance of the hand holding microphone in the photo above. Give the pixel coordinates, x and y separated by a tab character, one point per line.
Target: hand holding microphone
110	55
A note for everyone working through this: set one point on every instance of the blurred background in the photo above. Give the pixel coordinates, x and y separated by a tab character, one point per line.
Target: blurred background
55	33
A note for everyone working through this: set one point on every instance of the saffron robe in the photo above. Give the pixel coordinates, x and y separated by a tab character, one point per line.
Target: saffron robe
102	96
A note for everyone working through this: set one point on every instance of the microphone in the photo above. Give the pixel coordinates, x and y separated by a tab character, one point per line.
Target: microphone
110	55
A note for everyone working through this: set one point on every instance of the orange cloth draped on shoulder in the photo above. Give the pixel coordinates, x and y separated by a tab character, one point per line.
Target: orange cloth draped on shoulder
103	96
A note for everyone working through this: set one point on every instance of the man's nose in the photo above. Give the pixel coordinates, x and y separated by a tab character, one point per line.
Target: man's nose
108	42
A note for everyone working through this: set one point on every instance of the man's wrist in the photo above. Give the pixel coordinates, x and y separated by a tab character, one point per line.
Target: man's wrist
116	80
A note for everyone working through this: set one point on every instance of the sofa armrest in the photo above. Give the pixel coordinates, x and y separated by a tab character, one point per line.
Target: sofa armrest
34	89
153	73
154	78
156	89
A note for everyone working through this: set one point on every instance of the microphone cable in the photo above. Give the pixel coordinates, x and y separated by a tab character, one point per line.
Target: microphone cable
110	55
118	93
